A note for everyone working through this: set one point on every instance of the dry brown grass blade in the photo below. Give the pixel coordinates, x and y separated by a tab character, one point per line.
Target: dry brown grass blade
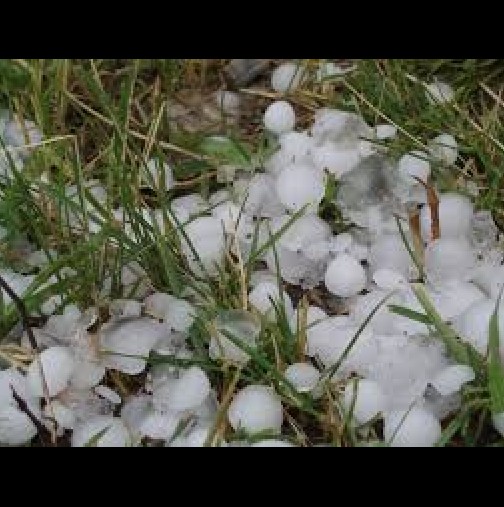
433	202
414	226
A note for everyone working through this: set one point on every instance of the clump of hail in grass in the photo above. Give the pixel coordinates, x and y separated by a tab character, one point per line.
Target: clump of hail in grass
379	356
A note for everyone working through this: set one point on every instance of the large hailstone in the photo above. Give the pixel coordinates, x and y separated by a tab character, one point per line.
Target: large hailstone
416	428
264	294
112	430
299	185
345	276
207	238
389	252
455	216
260	196
185	393
256	408
241	325
58	365
286	77
452	378
303	376
366	401
334	158
132	338
295	146
448	258
177	313
279	117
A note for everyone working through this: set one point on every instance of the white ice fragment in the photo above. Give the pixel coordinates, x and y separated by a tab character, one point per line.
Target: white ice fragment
134	338
335	159
241	325
256	408
389	279
272	443
416	428
439	92
176	312
451	379
385	131
286	77
108	394
366	402
448	258
389	252
279	117
345	276
108	431
299	185
15	426
187	392
58	365
303	376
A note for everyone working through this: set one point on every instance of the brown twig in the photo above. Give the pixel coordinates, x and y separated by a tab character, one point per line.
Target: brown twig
44	434
433	202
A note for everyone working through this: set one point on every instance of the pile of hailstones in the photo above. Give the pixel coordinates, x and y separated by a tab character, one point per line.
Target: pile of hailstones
403	373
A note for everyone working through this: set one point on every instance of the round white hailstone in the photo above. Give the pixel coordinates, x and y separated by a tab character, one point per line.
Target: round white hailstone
130	338
115	433
450	379
419	428
125	308
206	235
261	295
413	165
369	399
447	258
498	422
383	321
299	185
445	148
189	391
385	131
240	324
108	394
303	376
178	313
389	252
439	92
472	325
161	174
261	197
303	232
228	102
272	443
15	426
286	77
256	408
58	365
389	279
455	216
345	277
279	117
335	159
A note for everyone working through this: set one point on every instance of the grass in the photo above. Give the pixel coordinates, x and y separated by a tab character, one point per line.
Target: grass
102	119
